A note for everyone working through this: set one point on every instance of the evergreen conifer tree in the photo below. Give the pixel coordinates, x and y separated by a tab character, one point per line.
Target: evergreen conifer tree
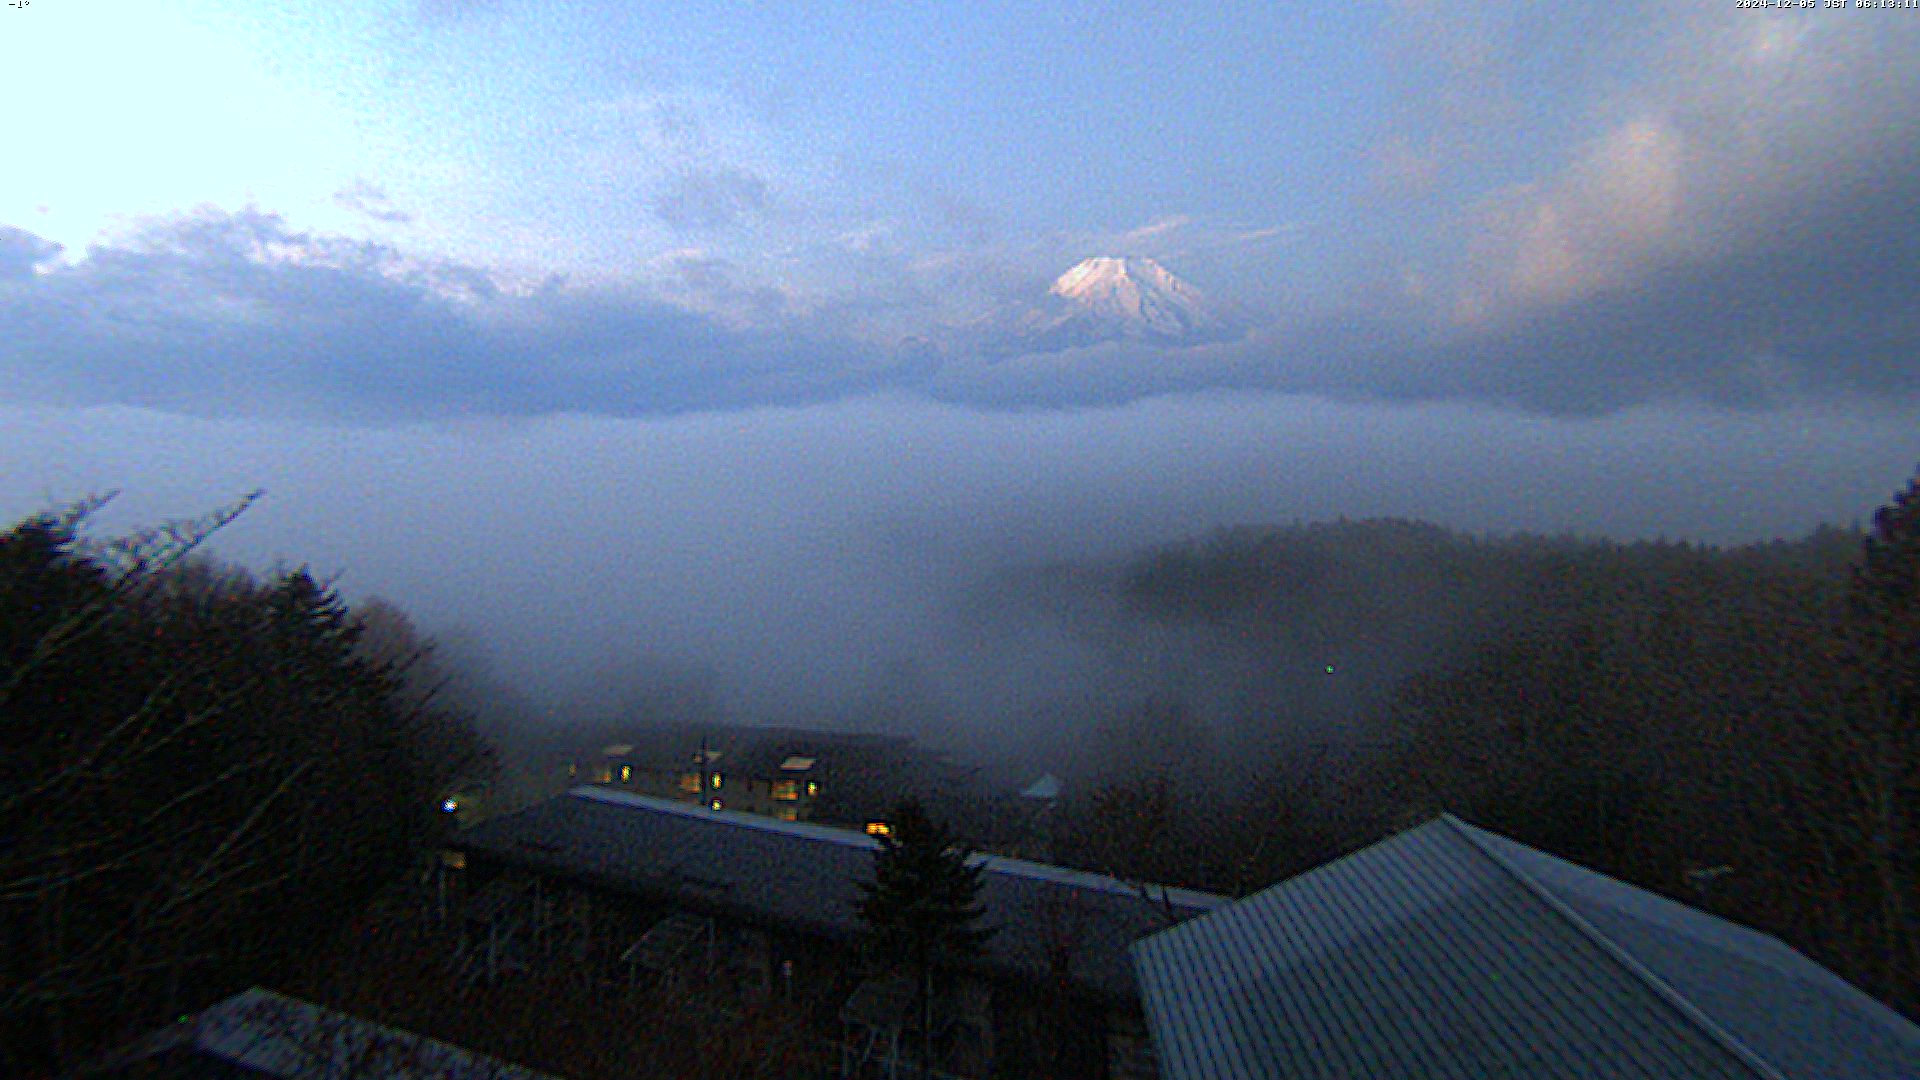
922	907
1881	647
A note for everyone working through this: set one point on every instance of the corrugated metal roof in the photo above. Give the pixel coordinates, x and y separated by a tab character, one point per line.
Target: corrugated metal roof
803	876
1795	1015
1447	951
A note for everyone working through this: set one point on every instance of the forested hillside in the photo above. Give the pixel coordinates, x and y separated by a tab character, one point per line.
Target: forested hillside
1732	727
201	775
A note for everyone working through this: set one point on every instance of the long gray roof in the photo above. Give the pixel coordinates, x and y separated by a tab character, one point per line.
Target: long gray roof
803	877
1448	951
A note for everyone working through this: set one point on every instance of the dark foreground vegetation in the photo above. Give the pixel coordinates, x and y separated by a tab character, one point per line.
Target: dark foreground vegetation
202	775
210	780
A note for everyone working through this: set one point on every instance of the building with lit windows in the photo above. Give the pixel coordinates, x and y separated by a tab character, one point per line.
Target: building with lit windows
791	774
638	888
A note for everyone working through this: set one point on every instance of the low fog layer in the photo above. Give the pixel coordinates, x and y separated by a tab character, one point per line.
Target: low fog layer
850	563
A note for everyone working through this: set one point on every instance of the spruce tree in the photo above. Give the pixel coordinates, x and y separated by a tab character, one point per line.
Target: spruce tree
1881	648
923	905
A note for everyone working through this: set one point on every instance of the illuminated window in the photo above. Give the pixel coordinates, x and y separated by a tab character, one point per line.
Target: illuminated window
715	804
786	790
786	813
626	773
690	783
879	828
715	781
813	787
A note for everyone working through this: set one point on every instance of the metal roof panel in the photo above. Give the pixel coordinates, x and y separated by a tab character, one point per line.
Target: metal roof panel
1447	952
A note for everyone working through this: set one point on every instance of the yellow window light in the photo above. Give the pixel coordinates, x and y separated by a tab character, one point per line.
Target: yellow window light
879	828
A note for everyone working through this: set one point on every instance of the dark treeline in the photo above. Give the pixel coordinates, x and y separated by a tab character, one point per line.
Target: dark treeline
1734	728
201	775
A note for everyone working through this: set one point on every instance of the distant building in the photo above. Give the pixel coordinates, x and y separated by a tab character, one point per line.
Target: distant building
792	774
1034	824
260	1033
1449	951
635	887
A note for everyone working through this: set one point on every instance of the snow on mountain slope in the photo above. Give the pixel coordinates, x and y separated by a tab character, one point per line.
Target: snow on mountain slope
1106	298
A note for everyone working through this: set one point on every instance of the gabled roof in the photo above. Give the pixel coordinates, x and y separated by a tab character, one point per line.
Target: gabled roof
802	877
259	1034
1448	951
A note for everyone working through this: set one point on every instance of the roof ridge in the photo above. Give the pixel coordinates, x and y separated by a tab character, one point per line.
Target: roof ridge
830	834
808	830
1740	1051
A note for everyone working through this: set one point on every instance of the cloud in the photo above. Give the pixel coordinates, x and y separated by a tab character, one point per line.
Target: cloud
215	313
371	200
1452	83
709	198
795	551
1171	237
1158	227
1709	235
445	11
1727	228
21	252
1613	212
713	285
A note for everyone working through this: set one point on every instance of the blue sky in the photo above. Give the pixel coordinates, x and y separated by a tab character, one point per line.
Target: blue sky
1408	200
696	300
572	118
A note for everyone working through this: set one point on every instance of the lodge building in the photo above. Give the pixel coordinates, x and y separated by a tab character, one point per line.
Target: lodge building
644	888
793	774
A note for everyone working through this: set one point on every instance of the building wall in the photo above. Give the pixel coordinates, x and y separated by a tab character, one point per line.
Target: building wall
788	797
1029	1031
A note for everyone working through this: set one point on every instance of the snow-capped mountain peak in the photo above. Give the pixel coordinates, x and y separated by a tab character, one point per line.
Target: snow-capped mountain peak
1106	297
1105	276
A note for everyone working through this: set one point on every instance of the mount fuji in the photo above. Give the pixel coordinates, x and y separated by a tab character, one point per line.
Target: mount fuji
1124	299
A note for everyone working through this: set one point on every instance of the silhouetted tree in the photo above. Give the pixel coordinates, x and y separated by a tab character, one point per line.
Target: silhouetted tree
923	905
1878	732
197	774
